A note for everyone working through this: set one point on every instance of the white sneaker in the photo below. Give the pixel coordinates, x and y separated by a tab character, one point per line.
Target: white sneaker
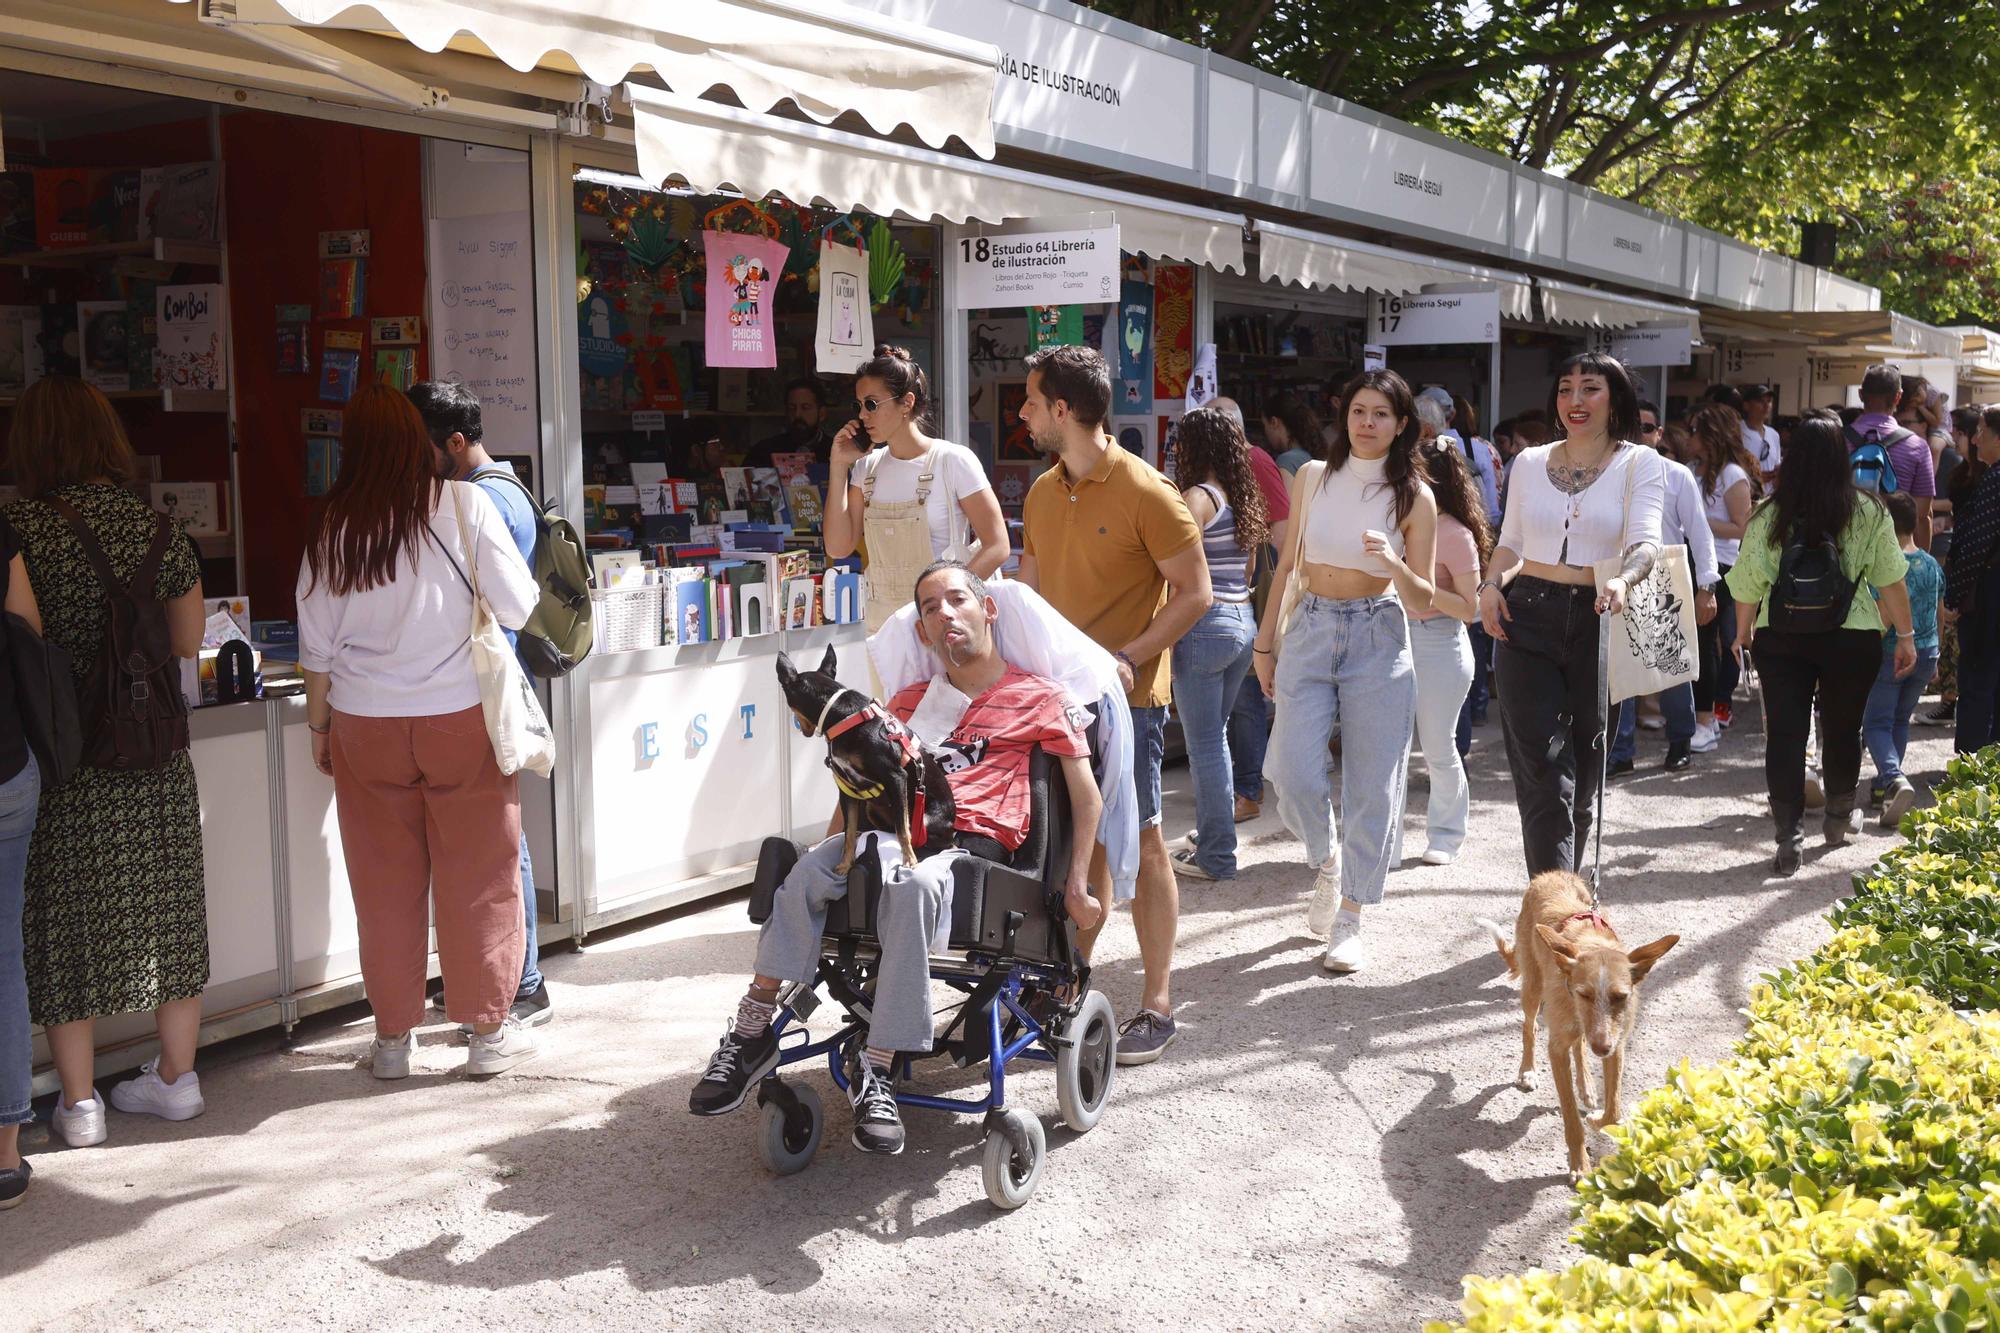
1897	802
1815	790
391	1059
148	1094
1345	952
1706	737
1651	722
1325	899
497	1052
1434	857
81	1125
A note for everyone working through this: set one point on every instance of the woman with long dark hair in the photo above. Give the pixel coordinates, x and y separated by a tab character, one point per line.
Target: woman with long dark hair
1212	469
1972	595
429	825
1729	487
1293	431
1802	579
115	903
1440	648
1336	645
1595	494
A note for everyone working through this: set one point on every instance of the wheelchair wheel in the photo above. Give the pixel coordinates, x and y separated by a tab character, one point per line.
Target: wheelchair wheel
787	1139
1011	1177
1085	1068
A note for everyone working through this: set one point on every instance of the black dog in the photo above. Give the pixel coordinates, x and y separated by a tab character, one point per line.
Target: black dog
887	779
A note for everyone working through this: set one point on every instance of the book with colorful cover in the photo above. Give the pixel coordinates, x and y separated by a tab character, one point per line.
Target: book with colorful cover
791	467
339	374
322	463
343	288
690	607
396	366
191	337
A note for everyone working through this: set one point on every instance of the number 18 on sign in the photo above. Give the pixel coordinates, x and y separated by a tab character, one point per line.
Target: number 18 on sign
1068	267
1433	317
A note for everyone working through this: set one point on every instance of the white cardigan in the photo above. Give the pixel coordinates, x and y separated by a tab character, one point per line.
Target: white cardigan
1598	524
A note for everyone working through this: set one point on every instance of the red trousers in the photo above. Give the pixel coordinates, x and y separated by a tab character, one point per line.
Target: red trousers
429	825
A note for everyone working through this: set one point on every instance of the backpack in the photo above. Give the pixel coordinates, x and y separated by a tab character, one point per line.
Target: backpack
1811	593
558	633
1868	461
134	716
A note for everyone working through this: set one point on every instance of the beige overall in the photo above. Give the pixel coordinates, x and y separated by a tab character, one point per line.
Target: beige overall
899	545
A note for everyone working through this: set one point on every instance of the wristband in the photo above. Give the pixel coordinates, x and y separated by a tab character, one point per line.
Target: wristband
1484	584
319	731
1266	651
1130	665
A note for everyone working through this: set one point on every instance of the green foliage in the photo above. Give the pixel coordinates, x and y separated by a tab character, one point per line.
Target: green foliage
1842	1169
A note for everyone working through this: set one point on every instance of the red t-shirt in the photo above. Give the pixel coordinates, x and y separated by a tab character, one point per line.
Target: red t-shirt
1272	481
986	756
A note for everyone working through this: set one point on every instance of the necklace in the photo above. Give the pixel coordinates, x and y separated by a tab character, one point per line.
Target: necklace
1570	479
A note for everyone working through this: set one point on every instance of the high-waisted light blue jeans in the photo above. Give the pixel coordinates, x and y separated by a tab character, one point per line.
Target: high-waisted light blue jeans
1348	661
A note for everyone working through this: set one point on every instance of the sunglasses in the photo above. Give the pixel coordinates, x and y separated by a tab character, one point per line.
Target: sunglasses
1644	429
871	404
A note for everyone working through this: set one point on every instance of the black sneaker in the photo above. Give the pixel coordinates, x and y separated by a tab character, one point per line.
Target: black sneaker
531	1011
1620	767
878	1121
1679	756
732	1071
14	1184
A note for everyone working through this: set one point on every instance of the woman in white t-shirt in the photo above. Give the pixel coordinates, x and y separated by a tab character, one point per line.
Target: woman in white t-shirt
1593	495
1729	486
429	825
911	501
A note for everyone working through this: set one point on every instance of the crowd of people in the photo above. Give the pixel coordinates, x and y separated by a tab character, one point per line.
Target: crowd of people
1353	589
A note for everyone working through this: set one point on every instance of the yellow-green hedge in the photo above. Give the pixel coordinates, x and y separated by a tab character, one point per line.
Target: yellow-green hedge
1842	1168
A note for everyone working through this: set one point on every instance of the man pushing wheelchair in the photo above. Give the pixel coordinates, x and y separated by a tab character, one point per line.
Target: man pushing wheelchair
983	719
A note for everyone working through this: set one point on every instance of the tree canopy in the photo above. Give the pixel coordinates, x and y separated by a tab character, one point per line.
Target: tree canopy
1748	116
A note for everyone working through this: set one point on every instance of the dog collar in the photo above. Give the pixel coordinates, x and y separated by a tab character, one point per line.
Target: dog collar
1594	917
820	726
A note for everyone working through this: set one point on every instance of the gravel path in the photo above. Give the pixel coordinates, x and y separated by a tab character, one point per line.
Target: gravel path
1313	1153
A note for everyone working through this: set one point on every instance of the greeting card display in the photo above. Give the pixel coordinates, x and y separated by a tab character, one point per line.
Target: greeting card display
742	287
191	337
294	340
343	288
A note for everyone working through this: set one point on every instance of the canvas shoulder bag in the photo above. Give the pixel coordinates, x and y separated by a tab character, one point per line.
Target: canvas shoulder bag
1653	646
515	722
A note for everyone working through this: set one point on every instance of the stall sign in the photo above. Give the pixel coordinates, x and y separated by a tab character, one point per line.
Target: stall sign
1433	317
743	273
1072	266
1665	346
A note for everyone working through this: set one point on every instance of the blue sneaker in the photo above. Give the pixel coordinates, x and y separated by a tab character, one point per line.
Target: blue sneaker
1144	1037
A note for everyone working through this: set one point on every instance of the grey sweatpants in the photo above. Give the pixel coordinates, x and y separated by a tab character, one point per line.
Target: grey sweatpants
913	920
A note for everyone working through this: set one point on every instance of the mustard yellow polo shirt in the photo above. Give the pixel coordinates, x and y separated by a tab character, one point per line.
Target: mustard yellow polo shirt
1097	545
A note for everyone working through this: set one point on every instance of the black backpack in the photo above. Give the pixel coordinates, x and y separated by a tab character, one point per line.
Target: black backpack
134	715
1812	593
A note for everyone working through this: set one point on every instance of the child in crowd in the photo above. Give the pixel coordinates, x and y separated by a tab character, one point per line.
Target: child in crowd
1885	726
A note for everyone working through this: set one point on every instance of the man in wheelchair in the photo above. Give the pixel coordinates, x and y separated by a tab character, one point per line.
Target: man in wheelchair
992	716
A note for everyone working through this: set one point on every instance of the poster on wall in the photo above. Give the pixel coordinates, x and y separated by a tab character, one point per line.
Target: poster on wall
1015	441
1201	380
481	322
1173	329
1136	435
846	333
191	332
1135	348
741	322
1055	326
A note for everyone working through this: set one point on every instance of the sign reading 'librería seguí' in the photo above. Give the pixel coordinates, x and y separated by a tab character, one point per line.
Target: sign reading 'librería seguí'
1069	267
1433	317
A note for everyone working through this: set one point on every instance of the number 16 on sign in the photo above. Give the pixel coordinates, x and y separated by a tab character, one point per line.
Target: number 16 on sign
1433	317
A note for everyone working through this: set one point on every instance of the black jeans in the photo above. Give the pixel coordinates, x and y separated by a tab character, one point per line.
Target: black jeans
1545	677
1839	666
1978	718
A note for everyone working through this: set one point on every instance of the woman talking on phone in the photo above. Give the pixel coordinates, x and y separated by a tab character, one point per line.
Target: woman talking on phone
911	502
1338	647
1590	496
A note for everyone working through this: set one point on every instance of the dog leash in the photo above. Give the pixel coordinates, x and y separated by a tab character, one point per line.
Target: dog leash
1604	734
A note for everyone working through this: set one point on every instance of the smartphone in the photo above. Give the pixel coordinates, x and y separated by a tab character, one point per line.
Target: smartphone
861	439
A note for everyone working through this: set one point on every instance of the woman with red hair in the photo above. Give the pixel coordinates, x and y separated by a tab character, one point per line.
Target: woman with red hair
428	823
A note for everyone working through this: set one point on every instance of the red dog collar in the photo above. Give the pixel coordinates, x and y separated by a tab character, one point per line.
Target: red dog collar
912	753
1595	917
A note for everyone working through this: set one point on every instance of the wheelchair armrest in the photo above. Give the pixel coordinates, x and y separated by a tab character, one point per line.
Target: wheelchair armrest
852	915
775	860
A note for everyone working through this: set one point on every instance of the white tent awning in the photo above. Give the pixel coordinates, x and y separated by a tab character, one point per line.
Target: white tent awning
1314	259
825	57
711	146
1565	303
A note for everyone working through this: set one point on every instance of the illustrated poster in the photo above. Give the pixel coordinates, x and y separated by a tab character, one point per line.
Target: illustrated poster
743	272
191	331
846	323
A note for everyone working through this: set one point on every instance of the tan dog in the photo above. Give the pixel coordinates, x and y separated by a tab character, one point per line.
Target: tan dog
1585	985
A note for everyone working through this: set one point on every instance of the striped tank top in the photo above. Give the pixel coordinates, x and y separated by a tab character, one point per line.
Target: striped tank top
1228	563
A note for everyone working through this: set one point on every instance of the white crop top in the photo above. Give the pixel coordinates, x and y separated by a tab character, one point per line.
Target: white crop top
1354	499
1545	525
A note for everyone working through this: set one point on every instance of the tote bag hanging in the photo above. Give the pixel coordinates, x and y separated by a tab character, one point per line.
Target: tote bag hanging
515	722
1652	644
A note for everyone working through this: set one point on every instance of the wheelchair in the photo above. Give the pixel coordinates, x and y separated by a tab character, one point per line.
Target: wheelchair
1013	959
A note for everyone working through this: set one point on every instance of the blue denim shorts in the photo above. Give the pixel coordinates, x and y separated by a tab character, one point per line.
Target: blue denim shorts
1149	747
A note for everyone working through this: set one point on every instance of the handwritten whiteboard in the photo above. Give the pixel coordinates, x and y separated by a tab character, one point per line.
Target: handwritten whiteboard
482	322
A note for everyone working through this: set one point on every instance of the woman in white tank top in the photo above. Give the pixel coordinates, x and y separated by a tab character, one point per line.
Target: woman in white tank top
1361	551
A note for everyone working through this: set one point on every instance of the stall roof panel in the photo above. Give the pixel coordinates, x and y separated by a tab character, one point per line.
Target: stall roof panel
824	57
1566	303
1858	333
1313	259
710	146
